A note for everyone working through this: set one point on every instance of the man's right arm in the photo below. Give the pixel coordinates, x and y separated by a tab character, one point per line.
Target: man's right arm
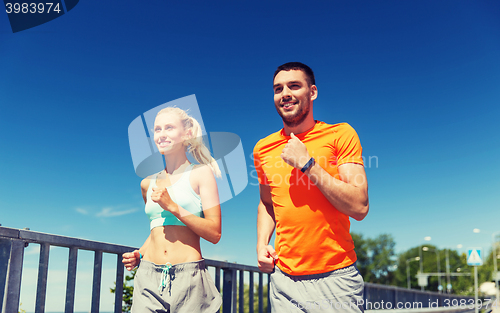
266	256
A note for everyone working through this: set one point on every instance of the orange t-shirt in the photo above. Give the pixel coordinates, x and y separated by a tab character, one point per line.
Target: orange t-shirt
312	236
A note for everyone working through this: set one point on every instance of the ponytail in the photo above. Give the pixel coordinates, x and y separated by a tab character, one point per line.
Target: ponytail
198	149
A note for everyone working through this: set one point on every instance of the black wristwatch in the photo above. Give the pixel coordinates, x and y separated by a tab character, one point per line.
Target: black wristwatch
308	165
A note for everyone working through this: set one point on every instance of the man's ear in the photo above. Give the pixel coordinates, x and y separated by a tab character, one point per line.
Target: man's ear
314	92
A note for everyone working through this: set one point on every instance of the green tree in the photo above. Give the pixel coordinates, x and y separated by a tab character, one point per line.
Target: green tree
458	264
375	258
128	290
361	248
246	298
486	271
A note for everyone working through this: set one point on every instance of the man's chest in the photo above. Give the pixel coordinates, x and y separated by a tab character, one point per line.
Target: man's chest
280	174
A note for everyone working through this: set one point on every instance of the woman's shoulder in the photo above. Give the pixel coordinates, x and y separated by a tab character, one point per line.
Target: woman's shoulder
202	171
146	181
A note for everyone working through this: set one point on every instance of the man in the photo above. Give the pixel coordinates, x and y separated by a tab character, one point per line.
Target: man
312	179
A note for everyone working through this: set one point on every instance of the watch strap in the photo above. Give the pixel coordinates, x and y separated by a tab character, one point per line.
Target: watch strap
308	165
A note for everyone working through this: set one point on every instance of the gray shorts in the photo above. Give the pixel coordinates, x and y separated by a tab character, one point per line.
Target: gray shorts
180	288
337	291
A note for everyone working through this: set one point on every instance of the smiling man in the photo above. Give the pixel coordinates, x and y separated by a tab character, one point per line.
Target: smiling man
312	179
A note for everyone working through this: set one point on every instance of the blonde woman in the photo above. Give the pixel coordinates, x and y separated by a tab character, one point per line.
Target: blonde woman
182	203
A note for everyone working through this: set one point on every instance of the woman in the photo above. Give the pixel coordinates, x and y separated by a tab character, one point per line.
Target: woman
182	203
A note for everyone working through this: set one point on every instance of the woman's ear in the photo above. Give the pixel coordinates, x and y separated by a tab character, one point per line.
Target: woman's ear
187	136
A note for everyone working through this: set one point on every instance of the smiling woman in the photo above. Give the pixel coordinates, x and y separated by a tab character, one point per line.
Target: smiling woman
182	203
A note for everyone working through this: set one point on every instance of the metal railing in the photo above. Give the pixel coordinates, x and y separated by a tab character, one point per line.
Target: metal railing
391	297
13	241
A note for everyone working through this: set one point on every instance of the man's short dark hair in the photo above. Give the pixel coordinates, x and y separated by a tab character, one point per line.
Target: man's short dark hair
297	66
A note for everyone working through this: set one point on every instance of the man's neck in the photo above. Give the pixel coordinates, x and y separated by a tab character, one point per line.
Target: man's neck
306	125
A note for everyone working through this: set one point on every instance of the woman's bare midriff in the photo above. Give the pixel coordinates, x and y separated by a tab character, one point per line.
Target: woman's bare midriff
173	244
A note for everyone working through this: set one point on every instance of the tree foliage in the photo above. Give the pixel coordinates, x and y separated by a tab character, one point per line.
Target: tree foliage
128	290
378	263
246	298
375	258
463	285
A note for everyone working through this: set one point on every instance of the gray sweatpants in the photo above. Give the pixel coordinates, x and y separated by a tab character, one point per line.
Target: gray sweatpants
180	288
337	291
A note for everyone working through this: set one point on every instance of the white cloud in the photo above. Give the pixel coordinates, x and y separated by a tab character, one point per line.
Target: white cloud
110	212
82	211
32	249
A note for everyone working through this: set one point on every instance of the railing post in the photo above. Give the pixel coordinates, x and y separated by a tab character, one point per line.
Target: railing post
414	297
217	281
268	293
229	291
41	287
71	281
96	282
119	284
261	294
250	293
14	274
395	299
5	246
241	292
365	296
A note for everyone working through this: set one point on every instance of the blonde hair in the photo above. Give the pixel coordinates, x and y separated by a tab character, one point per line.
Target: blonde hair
195	144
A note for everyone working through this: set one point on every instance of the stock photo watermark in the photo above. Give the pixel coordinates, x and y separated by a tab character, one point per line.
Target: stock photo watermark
28	14
227	148
293	179
327	305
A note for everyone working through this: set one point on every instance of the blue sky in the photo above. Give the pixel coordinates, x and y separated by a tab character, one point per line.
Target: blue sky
418	80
